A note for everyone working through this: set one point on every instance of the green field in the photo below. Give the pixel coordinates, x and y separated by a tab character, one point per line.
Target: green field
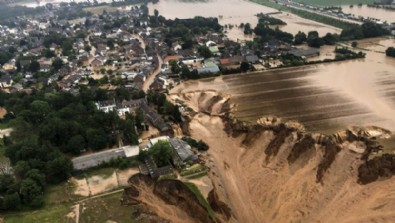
335	2
101	209
98	10
50	214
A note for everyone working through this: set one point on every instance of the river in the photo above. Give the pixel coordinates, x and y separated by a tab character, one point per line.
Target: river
324	98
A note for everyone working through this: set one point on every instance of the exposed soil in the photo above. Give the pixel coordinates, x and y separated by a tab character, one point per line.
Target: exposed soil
170	200
273	172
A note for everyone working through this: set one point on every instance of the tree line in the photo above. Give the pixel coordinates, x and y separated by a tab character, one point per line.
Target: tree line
48	129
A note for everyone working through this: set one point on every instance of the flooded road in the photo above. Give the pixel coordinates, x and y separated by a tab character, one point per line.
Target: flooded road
324	98
235	12
365	11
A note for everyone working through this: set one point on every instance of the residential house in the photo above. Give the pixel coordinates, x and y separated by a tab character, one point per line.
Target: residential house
253	59
106	106
9	67
156	120
130	106
299	52
5	81
208	68
182	152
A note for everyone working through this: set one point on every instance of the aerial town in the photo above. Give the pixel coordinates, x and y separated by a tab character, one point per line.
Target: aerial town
121	112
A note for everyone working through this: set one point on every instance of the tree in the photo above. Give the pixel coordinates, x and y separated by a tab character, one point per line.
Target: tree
5	181
96	138
354	44
174	67
31	193
58	168
202	145
21	168
11	201
37	176
48	53
330	39
57	64
87	48
110	43
4	57
390	52
205	52
34	66
300	37
156	13
372	29
247	29
244	66
76	144
161	152
313	39
128	132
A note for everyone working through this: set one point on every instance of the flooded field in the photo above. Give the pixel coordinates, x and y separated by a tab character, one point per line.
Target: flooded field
33	3
235	12
365	11
324	98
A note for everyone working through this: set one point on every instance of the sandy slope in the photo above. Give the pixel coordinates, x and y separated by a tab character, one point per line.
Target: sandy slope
275	191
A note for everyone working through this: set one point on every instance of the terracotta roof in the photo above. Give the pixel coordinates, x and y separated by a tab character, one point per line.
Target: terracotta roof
168	58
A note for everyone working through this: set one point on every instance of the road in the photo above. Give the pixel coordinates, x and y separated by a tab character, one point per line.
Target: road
293	5
150	79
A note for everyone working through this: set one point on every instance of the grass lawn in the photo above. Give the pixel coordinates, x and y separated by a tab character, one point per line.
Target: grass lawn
106	209
336	2
61	193
2	151
101	172
4	125
101	209
49	214
196	168
98	10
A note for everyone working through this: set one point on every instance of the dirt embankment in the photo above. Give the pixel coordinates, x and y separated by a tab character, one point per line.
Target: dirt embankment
276	172
164	201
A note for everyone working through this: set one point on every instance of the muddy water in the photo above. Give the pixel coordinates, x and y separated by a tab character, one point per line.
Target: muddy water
234	12
33	3
382	14
324	98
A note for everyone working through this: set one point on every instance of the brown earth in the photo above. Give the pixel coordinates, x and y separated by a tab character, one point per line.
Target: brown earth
170	200
273	172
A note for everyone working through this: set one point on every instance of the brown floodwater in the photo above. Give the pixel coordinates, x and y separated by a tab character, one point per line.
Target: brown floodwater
365	11
33	3
235	12
324	98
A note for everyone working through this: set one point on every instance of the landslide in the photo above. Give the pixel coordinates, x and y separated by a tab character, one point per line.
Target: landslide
273	171
164	201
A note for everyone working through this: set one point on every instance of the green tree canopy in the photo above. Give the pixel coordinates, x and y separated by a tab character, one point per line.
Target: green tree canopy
161	152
